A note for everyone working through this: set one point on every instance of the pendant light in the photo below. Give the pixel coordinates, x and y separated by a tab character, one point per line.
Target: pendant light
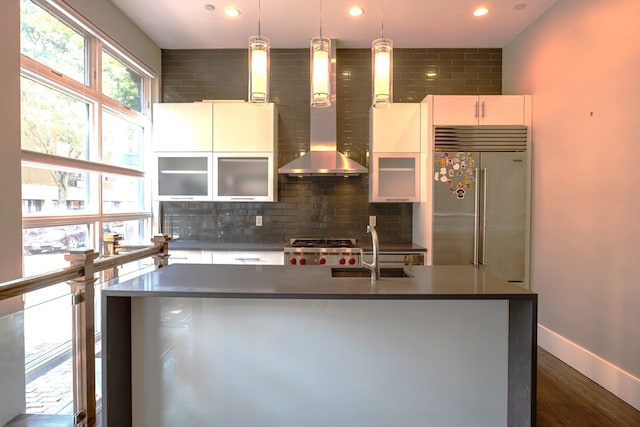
320	66
382	67
259	63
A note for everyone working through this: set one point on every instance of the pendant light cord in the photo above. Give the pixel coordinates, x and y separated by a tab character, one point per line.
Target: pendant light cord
320	18
381	19
259	11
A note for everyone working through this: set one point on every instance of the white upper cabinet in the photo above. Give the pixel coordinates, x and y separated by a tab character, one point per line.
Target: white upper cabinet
395	129
216	150
394	172
183	127
244	127
478	110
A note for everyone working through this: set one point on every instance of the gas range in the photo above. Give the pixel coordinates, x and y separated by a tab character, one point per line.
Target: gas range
323	251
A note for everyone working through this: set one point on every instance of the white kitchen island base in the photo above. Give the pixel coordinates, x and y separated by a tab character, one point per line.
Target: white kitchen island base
318	363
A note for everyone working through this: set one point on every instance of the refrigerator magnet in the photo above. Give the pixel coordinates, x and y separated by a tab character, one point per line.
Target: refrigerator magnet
460	193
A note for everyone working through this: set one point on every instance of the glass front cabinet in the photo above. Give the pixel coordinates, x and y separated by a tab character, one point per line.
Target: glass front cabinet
248	177
395	177
184	176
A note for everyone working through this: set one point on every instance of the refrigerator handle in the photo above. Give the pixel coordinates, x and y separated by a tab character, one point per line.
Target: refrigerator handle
476	222
483	261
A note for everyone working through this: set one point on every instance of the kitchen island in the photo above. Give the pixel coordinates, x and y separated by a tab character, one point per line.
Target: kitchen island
289	346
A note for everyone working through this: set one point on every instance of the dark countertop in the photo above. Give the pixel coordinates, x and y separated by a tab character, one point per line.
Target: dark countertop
313	282
278	246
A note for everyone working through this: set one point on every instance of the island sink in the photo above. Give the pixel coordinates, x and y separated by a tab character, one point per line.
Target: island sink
363	272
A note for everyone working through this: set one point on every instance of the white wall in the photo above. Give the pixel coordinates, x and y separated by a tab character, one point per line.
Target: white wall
580	60
111	21
11	338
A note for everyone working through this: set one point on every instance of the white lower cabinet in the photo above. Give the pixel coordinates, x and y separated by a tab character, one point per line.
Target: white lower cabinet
204	256
248	257
189	256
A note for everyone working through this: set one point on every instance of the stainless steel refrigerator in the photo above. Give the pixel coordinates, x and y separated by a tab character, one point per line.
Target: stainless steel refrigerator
480	198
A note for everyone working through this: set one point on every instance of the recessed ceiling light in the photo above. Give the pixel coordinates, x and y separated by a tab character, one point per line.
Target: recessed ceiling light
481	11
232	11
209	7
356	11
520	6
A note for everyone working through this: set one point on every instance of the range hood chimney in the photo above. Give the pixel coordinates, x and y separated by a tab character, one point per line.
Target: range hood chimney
323	157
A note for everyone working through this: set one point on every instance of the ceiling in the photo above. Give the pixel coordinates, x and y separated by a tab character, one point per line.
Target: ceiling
190	24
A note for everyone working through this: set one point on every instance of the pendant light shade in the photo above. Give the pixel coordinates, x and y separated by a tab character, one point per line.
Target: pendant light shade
382	67
259	69
320	67
259	63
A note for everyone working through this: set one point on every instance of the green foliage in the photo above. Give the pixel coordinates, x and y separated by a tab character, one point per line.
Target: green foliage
121	83
51	42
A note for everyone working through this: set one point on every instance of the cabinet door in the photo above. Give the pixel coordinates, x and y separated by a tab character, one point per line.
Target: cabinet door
184	176
455	110
246	177
395	178
395	129
473	110
501	110
182	127
248	257
189	256
243	126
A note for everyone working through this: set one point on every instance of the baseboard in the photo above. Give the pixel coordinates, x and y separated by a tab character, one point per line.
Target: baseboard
619	382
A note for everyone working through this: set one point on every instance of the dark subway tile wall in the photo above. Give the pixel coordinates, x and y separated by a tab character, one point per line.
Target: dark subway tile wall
318	206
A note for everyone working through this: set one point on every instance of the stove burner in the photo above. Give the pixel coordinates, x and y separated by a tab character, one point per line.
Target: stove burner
321	251
322	243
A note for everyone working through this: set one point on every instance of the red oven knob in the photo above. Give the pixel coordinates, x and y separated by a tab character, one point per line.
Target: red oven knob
352	261
303	261
322	261
292	261
342	261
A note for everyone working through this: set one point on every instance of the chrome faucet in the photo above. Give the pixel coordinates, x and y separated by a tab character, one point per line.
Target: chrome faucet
374	267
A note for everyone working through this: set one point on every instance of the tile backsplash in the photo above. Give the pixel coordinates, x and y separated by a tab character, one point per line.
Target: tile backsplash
317	206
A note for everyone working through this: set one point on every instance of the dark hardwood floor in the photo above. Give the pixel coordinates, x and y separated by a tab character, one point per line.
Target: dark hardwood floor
568	398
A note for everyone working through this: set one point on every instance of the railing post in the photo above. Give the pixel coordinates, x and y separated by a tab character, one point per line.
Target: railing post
162	258
84	336
111	241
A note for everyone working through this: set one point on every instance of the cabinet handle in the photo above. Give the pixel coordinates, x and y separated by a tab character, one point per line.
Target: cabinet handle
243	198
476	116
181	198
406	199
483	109
247	259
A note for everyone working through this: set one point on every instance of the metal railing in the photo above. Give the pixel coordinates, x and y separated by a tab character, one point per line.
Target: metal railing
80	275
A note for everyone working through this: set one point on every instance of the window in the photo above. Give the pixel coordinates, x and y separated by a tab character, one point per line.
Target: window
85	125
54	122
83	139
121	83
50	41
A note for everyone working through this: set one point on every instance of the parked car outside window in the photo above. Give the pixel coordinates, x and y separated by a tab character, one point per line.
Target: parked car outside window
54	239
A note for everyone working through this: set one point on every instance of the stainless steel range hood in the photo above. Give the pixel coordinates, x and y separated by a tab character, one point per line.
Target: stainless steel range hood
323	157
